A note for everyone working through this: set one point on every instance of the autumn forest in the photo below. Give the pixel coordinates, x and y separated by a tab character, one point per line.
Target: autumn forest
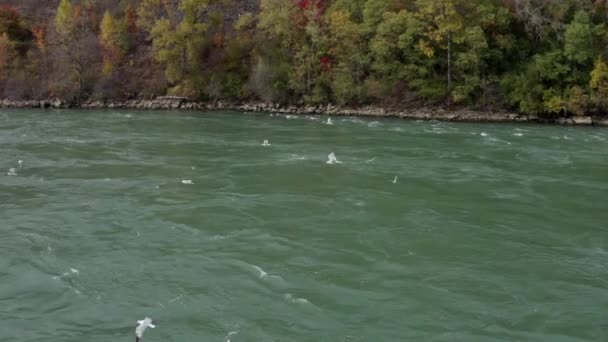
547	57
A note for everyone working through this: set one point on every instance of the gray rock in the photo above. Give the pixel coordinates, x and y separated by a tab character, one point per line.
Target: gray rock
582	120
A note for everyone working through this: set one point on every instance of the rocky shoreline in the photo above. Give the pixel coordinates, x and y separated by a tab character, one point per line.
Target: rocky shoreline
177	103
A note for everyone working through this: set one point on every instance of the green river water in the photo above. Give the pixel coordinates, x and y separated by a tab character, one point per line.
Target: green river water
490	233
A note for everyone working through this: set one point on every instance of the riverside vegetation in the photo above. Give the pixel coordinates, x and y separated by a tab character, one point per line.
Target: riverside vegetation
543	58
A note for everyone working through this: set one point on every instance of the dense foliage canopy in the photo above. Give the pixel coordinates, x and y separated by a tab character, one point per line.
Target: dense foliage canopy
536	56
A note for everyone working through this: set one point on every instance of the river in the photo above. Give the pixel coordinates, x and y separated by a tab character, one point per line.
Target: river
426	231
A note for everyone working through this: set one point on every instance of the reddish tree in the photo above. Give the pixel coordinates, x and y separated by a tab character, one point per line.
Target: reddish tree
131	17
325	63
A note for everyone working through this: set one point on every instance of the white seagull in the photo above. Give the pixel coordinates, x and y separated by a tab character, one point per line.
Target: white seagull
331	159
395	180
329	122
266	143
12	172
20	162
141	328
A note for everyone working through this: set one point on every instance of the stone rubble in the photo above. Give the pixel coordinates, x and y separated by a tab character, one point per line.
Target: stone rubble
180	103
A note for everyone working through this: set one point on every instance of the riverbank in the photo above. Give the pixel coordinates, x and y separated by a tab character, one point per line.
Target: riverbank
430	113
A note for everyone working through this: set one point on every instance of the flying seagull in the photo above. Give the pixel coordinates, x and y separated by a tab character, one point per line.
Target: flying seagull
141	328
395	180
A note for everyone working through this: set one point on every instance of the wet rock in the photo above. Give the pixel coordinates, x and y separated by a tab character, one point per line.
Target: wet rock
601	121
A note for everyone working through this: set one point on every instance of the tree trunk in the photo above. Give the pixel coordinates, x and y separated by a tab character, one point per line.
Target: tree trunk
449	68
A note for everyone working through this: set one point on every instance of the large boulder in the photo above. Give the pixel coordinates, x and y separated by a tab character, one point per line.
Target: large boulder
582	120
56	103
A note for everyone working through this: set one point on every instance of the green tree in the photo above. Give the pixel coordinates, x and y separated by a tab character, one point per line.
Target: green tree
582	38
65	25
309	76
272	66
114	40
348	52
444	27
78	45
599	84
149	11
372	13
8	53
397	57
179	47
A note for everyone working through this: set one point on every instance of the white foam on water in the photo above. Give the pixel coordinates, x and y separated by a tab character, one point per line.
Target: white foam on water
484	134
291	117
230	334
265	275
187	182
355	120
518	134
175	299
373	124
313	118
294	157
291	299
70	140
71	272
371	160
331	159
12	172
261	273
